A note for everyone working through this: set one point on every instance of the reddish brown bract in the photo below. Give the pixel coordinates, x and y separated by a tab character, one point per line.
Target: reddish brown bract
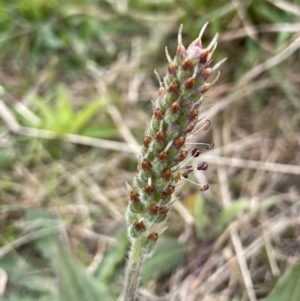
204	88
193	114
139	226
160	136
179	142
175	107
161	91
169	190
149	189
203	56
153	237
182	155
173	88
159	114
206	72
134	197
191	126
187	64
166	174
162	156
153	208
146	165
163	209
172	68
180	49
147	141
189	83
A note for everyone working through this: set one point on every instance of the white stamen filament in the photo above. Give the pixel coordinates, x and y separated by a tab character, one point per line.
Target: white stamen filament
168	55
213	42
179	38
219	64
202	30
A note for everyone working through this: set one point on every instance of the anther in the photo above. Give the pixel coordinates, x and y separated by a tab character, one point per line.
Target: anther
202	166
204	187
195	152
179	142
210	146
206	125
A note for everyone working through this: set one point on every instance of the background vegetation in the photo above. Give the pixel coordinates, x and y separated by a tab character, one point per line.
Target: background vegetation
76	87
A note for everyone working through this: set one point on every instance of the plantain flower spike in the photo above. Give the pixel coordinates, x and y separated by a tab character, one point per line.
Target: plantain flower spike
163	158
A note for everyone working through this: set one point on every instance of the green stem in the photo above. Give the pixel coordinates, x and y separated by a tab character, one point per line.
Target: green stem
133	269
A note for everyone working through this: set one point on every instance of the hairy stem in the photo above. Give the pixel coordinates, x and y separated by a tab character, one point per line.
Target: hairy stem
133	270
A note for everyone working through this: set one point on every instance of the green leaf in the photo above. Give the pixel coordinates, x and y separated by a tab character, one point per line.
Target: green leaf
25	275
40	220
85	114
168	254
113	256
200	215
287	287
103	131
75	284
229	213
64	110
16	297
46	113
